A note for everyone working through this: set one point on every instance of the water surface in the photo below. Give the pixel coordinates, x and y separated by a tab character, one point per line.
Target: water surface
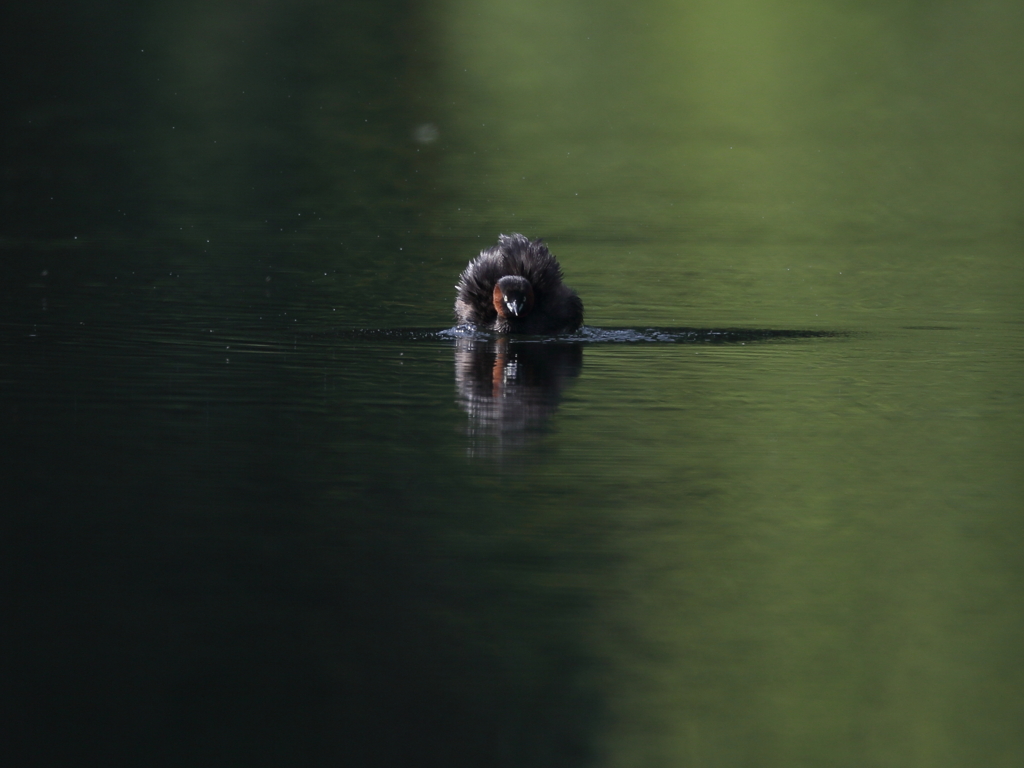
262	507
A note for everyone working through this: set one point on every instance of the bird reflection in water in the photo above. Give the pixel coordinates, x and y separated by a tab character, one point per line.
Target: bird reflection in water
511	388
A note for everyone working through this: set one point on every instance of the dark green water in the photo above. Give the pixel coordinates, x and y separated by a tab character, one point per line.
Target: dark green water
257	511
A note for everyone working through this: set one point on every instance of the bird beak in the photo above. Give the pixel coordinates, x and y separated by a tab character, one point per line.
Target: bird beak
515	307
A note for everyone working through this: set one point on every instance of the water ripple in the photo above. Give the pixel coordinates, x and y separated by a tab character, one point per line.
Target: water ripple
593	335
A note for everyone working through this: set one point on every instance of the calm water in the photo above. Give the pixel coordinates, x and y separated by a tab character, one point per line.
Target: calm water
765	509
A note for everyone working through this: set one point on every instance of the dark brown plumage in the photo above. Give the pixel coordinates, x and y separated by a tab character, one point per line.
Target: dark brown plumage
516	287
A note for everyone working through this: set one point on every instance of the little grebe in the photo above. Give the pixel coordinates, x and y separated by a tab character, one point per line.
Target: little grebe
516	287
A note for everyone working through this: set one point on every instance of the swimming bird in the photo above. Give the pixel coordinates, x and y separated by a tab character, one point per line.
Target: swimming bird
516	287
